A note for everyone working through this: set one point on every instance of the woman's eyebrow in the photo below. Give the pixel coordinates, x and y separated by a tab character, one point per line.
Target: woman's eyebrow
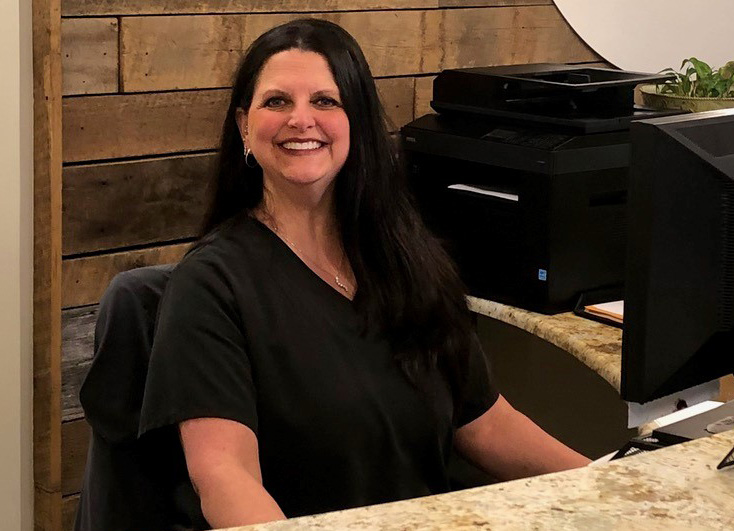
273	92
327	92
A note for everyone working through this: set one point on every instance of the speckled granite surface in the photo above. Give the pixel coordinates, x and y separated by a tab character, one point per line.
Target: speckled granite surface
596	345
673	488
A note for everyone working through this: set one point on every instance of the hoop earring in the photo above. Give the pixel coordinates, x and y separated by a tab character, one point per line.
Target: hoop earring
248	152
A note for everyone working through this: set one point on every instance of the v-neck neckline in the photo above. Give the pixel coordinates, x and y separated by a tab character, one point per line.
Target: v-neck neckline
284	249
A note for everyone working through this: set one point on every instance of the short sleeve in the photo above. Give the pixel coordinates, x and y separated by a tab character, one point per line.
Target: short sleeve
199	366
480	392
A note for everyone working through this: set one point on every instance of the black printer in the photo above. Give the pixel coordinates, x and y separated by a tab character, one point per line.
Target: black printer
523	175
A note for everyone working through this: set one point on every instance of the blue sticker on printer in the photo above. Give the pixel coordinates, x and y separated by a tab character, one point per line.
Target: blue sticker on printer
542	275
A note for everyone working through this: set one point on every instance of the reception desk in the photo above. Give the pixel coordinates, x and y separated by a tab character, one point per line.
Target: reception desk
596	345
562	370
673	488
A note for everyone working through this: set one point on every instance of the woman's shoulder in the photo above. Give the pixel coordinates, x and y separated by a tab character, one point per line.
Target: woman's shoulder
237	248
240	237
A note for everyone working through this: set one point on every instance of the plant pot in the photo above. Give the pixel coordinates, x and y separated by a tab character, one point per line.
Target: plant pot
654	100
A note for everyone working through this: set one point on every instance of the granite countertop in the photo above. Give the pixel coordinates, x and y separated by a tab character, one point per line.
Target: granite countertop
596	345
673	488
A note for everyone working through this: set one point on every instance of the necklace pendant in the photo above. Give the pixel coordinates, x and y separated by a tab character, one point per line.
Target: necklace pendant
341	284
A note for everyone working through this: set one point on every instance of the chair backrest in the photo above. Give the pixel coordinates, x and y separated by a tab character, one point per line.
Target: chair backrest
112	392
122	490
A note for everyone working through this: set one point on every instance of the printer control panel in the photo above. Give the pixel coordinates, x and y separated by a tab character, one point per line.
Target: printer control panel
526	138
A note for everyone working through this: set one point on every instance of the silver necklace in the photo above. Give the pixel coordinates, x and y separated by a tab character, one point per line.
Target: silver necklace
299	252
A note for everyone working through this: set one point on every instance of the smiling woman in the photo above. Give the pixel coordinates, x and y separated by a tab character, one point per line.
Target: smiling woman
296	126
298	132
314	350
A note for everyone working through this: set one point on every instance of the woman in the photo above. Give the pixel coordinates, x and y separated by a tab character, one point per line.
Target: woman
315	349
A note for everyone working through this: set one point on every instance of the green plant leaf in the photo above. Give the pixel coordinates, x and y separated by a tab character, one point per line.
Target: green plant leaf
727	71
729	86
702	69
697	79
686	86
719	88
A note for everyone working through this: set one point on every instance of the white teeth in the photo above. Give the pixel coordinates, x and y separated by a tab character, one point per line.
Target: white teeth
302	145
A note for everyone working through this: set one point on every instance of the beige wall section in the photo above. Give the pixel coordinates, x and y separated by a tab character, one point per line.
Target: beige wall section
16	138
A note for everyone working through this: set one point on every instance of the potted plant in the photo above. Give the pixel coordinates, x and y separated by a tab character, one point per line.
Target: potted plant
697	87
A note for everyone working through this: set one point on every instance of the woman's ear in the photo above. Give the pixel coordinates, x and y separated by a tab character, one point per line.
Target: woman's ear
241	117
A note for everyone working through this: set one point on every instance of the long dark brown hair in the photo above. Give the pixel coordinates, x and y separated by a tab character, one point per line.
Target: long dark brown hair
408	287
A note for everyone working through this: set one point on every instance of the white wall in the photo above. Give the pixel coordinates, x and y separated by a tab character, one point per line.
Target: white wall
16	264
650	35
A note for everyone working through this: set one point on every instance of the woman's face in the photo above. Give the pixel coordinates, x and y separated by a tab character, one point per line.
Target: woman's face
296	127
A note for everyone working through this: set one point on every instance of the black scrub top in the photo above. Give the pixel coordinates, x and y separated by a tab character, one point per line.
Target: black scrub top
247	332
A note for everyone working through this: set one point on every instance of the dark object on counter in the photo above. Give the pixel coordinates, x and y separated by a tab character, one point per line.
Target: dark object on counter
639	445
524	176
679	284
727	461
587	100
532	217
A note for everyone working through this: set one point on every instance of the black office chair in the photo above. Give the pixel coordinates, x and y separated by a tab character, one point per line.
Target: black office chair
127	482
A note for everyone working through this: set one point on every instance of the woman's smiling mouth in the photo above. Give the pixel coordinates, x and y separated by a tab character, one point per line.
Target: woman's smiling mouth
301	146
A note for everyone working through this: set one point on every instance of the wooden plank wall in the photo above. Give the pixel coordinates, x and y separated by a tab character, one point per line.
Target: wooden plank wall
145	86
47	101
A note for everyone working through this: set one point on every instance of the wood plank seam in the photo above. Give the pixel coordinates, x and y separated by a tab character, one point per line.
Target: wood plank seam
84	8
129	248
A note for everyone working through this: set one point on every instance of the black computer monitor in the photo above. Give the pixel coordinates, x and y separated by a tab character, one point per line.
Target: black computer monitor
679	286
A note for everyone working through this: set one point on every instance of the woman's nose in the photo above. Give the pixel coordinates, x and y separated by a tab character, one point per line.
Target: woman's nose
302	117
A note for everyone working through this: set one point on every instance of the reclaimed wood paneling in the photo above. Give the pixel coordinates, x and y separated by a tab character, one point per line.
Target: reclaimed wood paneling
130	125
493	3
77	327
107	127
109	206
727	389
89	50
209	47
397	97
182	7
207	50
47	82
74	445
394	42
68	512
86	279
512	35
423	96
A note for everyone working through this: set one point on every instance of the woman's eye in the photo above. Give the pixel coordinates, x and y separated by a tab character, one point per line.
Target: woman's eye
327	102
274	102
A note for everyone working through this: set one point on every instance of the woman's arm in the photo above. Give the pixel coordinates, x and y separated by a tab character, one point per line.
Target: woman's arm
223	463
507	445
